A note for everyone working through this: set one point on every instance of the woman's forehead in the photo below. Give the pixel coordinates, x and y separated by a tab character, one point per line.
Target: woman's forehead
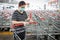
23	5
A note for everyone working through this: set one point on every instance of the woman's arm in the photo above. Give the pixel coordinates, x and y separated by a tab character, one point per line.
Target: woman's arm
20	22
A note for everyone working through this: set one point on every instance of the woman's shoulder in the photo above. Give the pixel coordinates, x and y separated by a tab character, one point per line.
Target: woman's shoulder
15	12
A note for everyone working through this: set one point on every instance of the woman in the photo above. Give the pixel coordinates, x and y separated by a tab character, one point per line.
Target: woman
18	20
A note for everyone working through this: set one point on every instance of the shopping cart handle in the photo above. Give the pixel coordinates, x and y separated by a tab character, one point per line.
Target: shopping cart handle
16	25
42	19
32	22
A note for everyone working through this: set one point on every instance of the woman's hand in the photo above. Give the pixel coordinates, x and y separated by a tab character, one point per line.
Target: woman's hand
26	23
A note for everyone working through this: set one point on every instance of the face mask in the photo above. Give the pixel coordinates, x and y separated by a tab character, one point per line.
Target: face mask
22	9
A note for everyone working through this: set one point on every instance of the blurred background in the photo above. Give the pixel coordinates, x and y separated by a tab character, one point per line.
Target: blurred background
45	12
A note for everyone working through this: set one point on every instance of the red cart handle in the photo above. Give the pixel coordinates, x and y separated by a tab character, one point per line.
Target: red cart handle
16	25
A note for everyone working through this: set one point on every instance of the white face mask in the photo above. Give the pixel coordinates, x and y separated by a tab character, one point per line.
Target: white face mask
22	9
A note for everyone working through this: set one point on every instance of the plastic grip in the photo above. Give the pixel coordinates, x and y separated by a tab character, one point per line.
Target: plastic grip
16	25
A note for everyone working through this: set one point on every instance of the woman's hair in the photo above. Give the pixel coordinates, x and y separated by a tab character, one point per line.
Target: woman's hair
21	3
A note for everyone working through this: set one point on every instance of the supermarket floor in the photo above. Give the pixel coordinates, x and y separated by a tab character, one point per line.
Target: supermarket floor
9	36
